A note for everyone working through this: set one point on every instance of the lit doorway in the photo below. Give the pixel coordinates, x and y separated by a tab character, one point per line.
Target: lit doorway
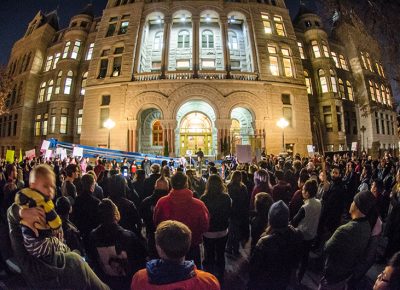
195	133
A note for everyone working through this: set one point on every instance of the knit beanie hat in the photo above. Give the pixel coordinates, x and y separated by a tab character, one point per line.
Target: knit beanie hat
365	201
278	215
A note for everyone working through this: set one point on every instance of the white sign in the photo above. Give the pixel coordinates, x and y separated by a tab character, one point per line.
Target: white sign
353	146
189	152
243	153
59	150
310	150
63	154
48	154
77	152
45	145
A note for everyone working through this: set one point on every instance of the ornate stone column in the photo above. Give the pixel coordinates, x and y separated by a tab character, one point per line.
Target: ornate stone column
195	39
165	51
224	36
132	133
138	47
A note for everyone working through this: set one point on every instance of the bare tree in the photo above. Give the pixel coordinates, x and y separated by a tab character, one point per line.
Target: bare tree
6	82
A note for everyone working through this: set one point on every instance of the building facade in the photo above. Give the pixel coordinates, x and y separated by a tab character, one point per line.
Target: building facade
178	76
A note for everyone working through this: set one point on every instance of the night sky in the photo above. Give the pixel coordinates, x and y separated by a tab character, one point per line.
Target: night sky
16	14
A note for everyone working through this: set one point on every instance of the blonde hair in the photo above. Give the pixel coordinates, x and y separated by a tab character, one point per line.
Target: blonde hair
41	171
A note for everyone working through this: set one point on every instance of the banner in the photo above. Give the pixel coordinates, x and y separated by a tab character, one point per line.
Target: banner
77	152
353	146
310	150
30	154
10	156
63	154
243	153
45	145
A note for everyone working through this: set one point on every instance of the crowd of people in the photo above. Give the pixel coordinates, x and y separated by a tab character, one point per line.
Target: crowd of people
121	225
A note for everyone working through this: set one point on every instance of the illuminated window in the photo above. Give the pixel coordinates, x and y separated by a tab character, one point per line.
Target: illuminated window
315	48
38	122
378	93
83	84
117	66
369	61
158	39
383	72
350	91
343	62
89	54
183	39
323	81
389	98
325	49
333	81
308	83
79	122
183	64
157	133
335	59
208	63
48	63
207	39
124	27
287	62
49	90
372	90
364	61
233	40
66	49
300	45
68	83
341	89
273	61
42	92
45	124
279	27
75	50
56	59
63	124
384	97
266	23
58	83
103	68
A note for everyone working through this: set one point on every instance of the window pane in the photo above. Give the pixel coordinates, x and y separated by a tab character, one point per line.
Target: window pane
273	65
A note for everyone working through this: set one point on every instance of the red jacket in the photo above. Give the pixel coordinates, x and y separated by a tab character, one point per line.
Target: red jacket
201	281
180	205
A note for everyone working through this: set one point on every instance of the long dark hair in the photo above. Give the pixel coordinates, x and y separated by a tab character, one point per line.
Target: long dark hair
215	185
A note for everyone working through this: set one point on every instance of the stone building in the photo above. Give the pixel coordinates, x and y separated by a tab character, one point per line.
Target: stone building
184	75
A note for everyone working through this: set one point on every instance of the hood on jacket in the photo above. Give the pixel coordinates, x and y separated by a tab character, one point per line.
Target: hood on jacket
161	272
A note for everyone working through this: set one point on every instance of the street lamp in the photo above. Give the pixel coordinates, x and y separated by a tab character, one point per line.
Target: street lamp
109	124
283	123
363	129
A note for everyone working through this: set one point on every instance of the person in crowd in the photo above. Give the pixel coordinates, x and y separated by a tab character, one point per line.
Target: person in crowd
117	253
197	185
99	167
145	165
389	278
41	240
282	190
150	181
239	219
261	184
365	178
259	221
348	243
137	185
180	205
350	182
306	221
392	229
68	187
84	210
72	236
332	204
172	271
146	211
98	191
297	199
276	254
64	270
219	205
130	218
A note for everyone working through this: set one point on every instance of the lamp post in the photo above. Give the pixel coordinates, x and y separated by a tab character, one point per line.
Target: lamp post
283	123
363	129
109	124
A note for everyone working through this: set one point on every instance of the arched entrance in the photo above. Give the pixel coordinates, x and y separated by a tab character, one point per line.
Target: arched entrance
196	128
195	133
242	130
151	132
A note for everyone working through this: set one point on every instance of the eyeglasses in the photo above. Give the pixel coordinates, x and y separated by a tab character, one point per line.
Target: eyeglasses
381	277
